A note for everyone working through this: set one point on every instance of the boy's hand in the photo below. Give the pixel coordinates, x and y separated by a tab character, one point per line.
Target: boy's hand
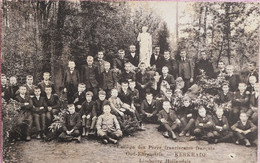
191	80
247	131
163	120
178	121
26	103
88	116
84	116
189	115
121	114
94	118
41	108
76	100
68	132
149	115
65	89
201	124
49	108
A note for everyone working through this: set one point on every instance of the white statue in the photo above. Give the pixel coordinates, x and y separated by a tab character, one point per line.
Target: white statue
145	42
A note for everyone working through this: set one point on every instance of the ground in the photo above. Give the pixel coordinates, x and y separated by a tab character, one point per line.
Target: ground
132	150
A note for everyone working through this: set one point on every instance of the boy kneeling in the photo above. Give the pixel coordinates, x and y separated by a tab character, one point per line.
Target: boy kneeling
72	122
108	127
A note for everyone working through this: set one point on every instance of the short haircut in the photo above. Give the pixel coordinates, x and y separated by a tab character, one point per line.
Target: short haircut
3	75
107	63
29	77
132	45
225	84
230	66
201	107
124	82
149	93
166	101
106	106
166	51
47	73
114	89
101	92
48	87
22	86
165	67
168	90
121	50
253	63
252	76
242	83
243	113
89	93
131	81
141	63
128	63
13	77
89	57
186	98
70	105
83	84
37	88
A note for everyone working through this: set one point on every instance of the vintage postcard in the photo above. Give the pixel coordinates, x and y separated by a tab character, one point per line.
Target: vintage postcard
129	81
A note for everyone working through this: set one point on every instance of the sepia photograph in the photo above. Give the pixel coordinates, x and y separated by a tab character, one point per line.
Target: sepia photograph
129	81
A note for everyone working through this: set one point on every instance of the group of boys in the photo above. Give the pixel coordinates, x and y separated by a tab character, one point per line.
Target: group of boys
101	97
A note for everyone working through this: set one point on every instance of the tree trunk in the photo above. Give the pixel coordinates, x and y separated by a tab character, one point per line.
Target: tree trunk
227	31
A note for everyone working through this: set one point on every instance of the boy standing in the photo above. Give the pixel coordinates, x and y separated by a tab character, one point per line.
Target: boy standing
71	81
39	112
13	87
100	102
29	86
53	104
170	63
132	57
71	125
4	88
149	109
109	79
46	83
108	127
156	59
166	78
79	97
233	79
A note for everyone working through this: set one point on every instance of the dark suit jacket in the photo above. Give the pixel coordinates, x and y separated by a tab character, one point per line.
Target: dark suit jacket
253	101
39	103
53	102
12	89
119	63
72	121
169	78
71	79
89	76
108	80
172	66
186	69
81	97
30	90
99	106
125	98
149	108
127	76
27	99
170	117
244	98
158	63
249	125
225	98
221	122
233	82
42	86
88	108
143	79
4	89
205	121
205	65
133	60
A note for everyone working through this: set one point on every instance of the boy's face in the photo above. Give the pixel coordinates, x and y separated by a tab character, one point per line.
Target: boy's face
89	60
149	97
29	81
225	88
48	91
144	29
3	80
81	88
166	105
100	55
169	94
202	112
251	67
229	70
164	70
102	97
142	67
107	67
252	80
132	49
219	113
241	87
121	54
203	55
186	103
166	55
71	65
37	92
114	93
71	109
106	110
13	81
127	67
221	65
243	117
46	76
132	85
183	54
22	90
124	86
157	50
88	98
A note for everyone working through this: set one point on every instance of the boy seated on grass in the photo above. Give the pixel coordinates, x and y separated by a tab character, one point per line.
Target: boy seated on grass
72	123
108	127
168	120
244	130
221	127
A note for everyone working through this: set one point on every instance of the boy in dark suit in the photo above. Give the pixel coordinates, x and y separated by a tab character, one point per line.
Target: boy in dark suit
233	79
204	126
166	77
108	127
221	72
71	125
39	112
253	105
29	86
170	63
13	87
46	83
88	115
119	62
100	102
53	104
186	70
204	65
157	59
26	111
252	71
239	103
133	57
4	88
70	81
89	76
221	127
168	119
149	109
127	74
244	130
79	97
100	63
109	79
